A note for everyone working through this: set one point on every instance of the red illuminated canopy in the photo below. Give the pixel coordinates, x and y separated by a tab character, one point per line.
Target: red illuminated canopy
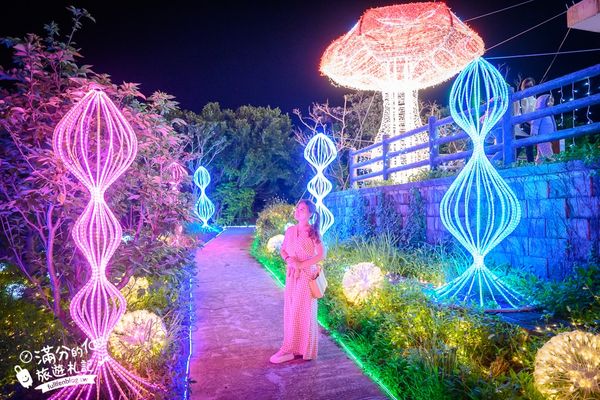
413	45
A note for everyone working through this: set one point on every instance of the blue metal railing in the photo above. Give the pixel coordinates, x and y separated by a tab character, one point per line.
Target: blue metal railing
504	131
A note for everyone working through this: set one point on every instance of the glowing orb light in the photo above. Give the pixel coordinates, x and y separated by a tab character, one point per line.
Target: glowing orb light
15	290
139	335
274	244
398	50
96	144
479	209
204	207
320	151
360	280
568	366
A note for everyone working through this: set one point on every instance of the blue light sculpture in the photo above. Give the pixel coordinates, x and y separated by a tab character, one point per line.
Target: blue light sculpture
479	209
204	207
320	151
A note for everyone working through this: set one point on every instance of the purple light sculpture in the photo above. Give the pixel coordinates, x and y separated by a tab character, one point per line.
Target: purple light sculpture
97	144
177	174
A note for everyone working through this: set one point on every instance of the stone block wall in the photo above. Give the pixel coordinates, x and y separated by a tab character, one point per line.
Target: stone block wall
560	224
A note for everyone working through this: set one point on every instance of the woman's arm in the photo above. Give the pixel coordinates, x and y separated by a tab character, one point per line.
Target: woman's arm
313	260
283	252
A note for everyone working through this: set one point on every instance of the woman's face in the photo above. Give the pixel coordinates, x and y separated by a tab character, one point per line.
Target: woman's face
302	212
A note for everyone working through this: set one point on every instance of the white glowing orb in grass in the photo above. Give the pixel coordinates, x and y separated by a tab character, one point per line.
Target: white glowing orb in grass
139	335
15	290
274	244
360	280
568	366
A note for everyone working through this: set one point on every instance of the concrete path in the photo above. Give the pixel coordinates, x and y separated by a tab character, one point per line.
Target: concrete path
239	320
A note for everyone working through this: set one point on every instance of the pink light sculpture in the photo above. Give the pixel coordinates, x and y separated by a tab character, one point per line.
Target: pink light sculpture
177	172
97	144
398	50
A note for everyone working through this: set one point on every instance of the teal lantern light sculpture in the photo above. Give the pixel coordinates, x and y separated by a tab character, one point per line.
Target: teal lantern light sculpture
479	209
204	207
320	151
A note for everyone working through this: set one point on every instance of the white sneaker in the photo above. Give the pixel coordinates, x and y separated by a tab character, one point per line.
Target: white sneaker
281	357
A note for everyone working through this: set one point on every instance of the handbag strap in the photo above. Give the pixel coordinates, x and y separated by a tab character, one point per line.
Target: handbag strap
320	269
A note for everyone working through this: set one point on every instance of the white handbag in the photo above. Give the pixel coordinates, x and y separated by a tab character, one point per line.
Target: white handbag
318	285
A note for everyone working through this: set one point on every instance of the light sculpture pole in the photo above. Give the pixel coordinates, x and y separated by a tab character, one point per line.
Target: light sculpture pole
96	144
320	151
479	209
398	50
204	207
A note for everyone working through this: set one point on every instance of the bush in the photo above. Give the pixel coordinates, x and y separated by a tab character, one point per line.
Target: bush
576	299
273	219
235	204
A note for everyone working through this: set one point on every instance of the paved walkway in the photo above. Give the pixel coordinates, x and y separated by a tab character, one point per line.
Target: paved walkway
239	320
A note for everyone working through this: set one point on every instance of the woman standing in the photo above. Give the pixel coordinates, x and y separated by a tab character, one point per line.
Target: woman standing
543	125
302	250
527	105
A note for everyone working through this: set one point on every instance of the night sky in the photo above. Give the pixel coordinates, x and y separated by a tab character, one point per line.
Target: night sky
264	53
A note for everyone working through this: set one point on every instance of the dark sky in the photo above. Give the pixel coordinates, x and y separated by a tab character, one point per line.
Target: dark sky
264	53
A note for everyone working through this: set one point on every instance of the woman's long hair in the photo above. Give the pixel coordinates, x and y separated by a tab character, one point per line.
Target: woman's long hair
313	233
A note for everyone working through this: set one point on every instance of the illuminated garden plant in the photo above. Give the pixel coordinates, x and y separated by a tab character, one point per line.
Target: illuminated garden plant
204	207
96	144
397	50
479	209
320	151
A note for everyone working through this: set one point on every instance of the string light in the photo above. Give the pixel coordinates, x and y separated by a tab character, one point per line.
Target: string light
479	209
96	144
573	91
320	151
587	93
398	50
204	207
562	100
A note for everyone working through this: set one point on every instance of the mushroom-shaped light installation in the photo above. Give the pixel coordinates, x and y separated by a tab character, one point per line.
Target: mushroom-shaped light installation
398	50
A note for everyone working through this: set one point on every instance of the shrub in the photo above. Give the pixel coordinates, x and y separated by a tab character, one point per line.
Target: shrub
273	219
577	298
235	204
